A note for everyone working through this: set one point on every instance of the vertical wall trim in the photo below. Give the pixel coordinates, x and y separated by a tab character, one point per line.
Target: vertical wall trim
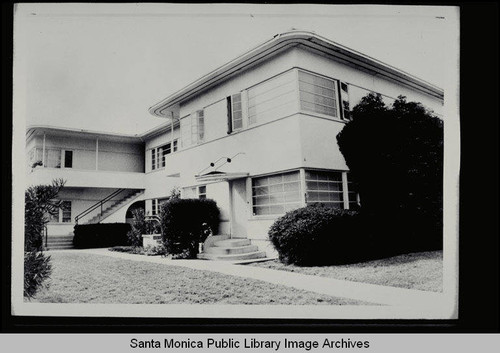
345	191
249	194
96	154
297	89
231	208
43	150
302	177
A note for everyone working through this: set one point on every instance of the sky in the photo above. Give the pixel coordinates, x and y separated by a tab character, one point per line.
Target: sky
101	66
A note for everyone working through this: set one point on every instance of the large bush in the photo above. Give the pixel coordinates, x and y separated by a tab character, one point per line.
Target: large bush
395	154
100	235
184	223
40	202
318	235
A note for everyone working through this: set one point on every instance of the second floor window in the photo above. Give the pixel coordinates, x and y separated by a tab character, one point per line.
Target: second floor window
158	154
68	159
318	94
234	113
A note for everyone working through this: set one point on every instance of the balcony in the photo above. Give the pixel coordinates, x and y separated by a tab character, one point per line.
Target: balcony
87	178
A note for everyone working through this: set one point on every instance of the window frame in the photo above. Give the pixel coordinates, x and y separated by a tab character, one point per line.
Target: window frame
63	158
252	195
336	96
158	154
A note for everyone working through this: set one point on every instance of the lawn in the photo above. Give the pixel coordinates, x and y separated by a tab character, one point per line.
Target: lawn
423	271
89	278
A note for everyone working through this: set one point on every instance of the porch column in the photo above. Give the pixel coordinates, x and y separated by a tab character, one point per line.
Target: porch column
231	210
43	150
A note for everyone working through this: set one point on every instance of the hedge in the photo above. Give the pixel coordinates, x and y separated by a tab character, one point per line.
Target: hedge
100	235
317	235
184	224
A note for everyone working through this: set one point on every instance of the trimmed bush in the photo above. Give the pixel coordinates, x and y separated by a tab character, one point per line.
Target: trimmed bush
317	235
184	224
100	235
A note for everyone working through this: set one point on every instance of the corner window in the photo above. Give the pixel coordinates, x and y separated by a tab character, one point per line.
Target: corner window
325	188
318	94
158	154
276	194
330	189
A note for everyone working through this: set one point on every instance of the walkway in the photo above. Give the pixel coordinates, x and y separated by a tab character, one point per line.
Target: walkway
337	288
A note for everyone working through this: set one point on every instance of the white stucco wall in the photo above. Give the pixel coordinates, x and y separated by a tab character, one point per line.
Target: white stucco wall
365	81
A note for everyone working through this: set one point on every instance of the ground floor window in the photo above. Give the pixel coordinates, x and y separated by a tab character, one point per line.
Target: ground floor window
195	192
156	206
324	187
66	212
63	215
279	193
276	194
331	188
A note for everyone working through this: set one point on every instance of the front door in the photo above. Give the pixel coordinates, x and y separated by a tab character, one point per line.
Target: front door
239	216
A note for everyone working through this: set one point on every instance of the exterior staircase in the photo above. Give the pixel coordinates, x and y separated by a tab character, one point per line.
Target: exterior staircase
231	250
109	210
59	242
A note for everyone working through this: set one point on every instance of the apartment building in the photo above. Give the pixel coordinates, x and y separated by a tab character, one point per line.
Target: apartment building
257	135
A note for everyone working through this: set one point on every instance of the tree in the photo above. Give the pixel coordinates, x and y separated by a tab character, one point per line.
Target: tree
40	203
396	157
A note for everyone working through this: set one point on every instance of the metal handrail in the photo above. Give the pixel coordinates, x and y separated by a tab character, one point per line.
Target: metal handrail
97	205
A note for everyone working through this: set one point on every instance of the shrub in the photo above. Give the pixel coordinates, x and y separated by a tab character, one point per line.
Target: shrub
318	235
399	170
100	235
141	226
37	270
184	222
40	202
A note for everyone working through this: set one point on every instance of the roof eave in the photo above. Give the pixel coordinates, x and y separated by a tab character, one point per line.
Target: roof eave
277	44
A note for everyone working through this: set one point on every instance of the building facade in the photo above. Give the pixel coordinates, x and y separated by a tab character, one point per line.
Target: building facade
257	135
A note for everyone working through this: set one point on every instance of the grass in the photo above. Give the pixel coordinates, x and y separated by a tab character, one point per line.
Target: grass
422	271
88	278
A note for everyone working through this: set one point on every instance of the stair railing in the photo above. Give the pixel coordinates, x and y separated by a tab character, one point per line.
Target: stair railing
97	205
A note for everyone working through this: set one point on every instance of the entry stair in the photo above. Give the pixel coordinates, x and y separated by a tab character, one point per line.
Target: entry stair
65	241
59	242
231	250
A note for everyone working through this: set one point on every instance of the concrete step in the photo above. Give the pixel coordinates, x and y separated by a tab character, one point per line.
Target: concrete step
232	243
59	247
233	257
218	250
